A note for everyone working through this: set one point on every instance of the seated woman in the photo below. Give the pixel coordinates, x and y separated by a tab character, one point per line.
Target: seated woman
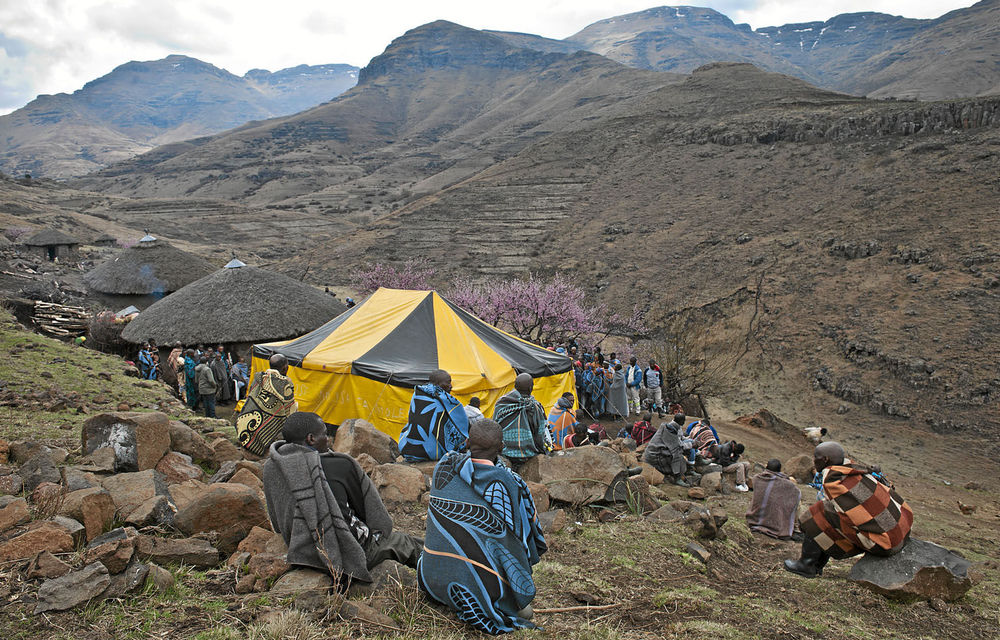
482	537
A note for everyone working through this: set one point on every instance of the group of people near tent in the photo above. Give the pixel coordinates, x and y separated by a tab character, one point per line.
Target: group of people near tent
610	388
483	538
220	381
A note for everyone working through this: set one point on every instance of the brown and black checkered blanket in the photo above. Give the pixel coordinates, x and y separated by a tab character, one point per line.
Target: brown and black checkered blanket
860	514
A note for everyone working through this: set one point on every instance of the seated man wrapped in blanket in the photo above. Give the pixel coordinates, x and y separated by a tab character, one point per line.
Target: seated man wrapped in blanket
860	513
482	537
437	422
326	508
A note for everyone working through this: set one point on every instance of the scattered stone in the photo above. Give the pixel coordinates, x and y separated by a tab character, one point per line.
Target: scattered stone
72	589
75	528
178	467
540	495
129	490
231	510
185	493
698	551
360	612
920	571
161	579
128	582
580	476
104	375
39	469
75	478
113	549
155	510
359	436
102	460
225	451
368	463
248	479
4	452
20	451
652	476
666	513
246	584
123	406
696	493
193	551
184	439
711	482
973	486
46	493
261	540
11	484
13	513
552	521
94	508
301	580
585	597
636	494
267	566
800	467
138	440
707	523
40	536
255	468
399	482
606	515
238	559
46	565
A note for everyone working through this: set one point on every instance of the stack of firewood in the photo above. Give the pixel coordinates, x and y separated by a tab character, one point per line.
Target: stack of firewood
60	320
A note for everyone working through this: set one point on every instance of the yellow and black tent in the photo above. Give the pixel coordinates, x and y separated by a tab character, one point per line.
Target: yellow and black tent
365	362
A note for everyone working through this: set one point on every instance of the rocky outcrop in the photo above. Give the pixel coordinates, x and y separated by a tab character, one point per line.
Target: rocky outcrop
580	476
139	440
357	437
920	571
228	509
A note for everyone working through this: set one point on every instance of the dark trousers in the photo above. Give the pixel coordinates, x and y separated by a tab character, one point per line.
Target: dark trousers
398	546
208	399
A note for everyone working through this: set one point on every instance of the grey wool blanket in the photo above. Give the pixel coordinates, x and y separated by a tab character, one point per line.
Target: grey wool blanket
303	510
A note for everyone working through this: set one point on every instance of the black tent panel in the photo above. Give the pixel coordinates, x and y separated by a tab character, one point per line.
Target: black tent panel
523	356
407	354
298	349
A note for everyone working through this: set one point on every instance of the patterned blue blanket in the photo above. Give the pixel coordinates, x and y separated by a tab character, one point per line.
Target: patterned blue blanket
482	540
436	425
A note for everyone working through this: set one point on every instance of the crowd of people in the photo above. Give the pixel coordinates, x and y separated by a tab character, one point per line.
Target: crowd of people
201	377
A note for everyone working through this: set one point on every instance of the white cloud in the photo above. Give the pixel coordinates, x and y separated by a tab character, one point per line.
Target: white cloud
50	46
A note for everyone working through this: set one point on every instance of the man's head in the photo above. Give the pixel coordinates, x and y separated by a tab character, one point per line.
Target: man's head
618	366
441	378
646	417
306	428
738	448
203	360
177	344
474	401
485	440
652	363
826	454
279	363
240	359
680	419
774	465
633	360
524	383
580	429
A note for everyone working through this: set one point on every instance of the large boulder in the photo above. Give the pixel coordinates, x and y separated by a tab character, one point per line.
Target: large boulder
652	476
185	493
230	510
46	565
138	440
357	436
40	536
540	496
225	451
711	482
399	482
186	440
800	467
73	589
192	551
94	508
920	571
130	490
13	511
23	450
76	478
153	511
39	469
580	476
179	467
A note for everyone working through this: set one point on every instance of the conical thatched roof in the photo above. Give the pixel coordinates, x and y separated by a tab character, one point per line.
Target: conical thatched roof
151	266
235	304
49	237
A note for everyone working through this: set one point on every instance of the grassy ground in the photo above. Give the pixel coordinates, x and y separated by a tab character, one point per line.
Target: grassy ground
639	567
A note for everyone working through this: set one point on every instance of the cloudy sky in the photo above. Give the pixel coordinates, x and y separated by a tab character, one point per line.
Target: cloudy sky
51	46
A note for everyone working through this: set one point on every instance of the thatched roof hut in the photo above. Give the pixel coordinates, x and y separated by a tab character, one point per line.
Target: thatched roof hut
105	240
52	244
150	267
236	304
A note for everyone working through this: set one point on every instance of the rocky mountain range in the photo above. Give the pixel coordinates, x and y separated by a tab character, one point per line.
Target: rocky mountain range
141	105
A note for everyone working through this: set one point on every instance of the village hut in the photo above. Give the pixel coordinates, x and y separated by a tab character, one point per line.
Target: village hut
235	305
151	267
51	244
105	240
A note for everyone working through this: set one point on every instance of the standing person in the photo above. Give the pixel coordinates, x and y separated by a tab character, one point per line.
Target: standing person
653	381
207	386
664	451
218	367
523	421
775	503
633	382
617	396
596	389
326	508
191	380
437	422
270	399
862	513
473	411
145	361
483	537
561	419
173	373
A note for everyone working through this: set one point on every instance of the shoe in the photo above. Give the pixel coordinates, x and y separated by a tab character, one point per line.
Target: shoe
742	488
634	471
804	568
680	482
812	561
526	613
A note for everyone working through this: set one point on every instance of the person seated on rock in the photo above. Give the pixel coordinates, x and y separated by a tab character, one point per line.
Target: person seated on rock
861	513
473	410
642	431
703	435
326	508
775	503
580	437
483	537
437	422
727	456
665	453
523	421
270	400
562	419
